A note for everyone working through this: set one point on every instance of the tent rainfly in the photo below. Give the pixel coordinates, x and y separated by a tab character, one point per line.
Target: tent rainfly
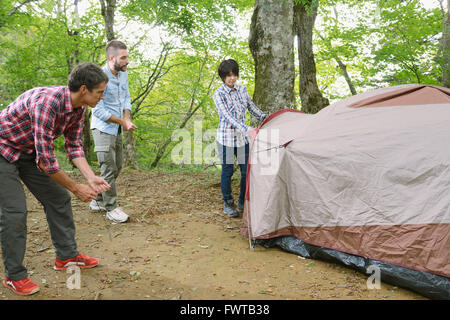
365	181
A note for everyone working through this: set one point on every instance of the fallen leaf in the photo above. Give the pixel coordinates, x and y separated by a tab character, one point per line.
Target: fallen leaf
135	273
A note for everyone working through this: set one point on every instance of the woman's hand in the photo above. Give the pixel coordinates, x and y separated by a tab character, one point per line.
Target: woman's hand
252	132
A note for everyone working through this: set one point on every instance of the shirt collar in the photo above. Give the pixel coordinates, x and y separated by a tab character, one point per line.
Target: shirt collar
68	102
228	89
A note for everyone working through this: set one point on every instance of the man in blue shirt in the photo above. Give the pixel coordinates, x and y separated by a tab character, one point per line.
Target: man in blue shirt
108	118
232	101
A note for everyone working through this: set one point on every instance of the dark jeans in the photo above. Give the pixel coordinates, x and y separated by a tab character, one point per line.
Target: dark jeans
13	213
226	155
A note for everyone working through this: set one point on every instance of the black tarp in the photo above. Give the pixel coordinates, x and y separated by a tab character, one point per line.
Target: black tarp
428	285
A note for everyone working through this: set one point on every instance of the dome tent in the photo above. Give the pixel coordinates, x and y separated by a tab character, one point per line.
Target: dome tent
365	181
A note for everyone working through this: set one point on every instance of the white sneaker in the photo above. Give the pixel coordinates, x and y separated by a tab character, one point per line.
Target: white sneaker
96	206
117	215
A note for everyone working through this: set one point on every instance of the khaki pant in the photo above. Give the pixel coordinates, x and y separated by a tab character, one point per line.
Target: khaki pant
109	150
13	213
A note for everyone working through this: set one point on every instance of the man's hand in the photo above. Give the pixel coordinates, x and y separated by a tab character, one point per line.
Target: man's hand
125	122
95	184
128	125
98	184
84	193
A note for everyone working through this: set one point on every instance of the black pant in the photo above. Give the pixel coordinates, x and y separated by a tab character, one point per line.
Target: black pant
13	213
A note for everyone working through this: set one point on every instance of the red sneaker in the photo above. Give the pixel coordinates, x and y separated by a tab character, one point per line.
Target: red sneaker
23	287
80	261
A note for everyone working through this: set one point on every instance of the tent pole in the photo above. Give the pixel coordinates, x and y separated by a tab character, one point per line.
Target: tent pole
248	226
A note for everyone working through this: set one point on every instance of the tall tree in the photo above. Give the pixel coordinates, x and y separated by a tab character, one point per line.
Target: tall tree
272	48
108	8
305	12
445	45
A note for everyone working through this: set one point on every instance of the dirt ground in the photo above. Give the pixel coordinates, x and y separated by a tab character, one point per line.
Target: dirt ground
179	245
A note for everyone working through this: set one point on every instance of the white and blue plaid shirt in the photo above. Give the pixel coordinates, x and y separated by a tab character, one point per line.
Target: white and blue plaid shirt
232	105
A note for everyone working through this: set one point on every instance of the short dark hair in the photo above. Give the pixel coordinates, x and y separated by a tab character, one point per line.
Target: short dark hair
88	74
113	46
227	66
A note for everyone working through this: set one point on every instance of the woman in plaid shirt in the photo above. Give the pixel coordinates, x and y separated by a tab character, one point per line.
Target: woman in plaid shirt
232	101
28	127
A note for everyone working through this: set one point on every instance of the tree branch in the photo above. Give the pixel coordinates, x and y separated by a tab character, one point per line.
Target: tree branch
14	10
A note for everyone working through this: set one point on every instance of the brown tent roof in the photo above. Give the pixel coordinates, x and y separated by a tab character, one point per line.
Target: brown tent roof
413	95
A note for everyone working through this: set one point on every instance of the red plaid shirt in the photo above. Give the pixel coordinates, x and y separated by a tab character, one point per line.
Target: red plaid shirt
35	119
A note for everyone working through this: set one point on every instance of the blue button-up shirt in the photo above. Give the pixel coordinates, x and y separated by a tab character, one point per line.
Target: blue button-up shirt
117	99
232	105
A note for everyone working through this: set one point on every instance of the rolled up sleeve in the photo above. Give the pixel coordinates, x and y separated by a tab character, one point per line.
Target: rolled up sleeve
100	111
127	104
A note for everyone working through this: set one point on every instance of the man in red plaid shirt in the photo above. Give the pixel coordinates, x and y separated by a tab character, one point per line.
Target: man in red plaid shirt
28	127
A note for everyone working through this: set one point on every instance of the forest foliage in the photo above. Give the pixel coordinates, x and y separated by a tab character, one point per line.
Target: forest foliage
175	48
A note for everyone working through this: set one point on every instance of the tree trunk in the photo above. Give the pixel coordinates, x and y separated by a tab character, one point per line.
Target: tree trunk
108	7
130	159
271	43
130	152
87	141
343	68
342	65
446	49
310	95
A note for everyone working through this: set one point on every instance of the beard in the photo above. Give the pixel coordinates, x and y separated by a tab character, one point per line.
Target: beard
119	67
